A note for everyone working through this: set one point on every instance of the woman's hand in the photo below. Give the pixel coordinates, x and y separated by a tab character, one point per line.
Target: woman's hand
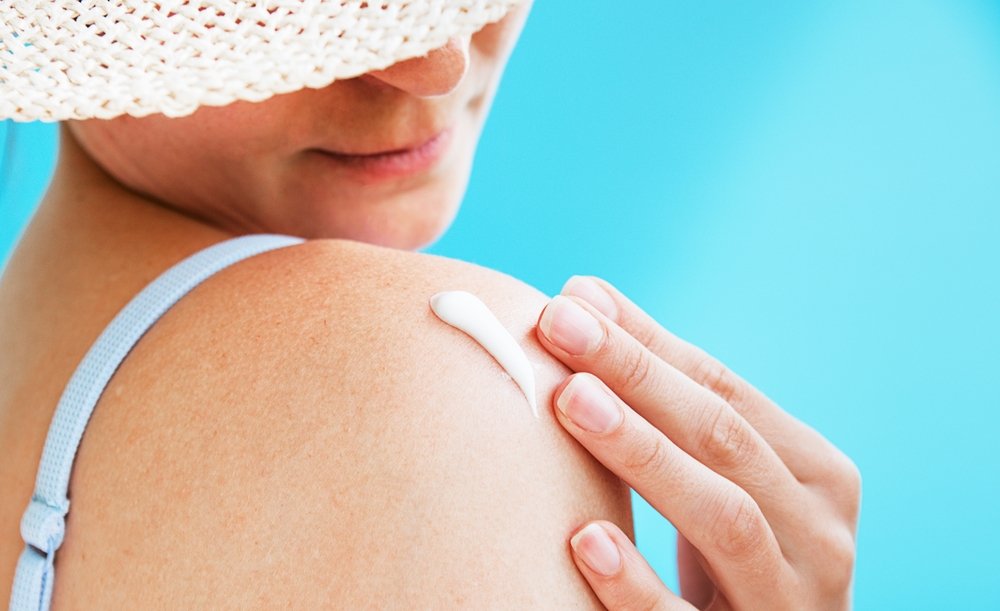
766	509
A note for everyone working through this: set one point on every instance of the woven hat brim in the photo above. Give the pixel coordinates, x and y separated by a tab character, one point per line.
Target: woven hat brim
87	59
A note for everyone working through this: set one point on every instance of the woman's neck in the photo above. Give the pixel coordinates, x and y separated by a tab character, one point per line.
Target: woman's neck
90	247
87	207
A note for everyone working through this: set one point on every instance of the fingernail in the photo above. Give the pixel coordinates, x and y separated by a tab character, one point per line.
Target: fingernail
570	327
588	406
596	548
591	292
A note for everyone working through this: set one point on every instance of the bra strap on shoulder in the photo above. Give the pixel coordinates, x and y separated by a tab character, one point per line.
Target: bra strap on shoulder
43	524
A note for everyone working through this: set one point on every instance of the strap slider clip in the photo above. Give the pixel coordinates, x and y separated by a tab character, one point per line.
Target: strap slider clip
43	526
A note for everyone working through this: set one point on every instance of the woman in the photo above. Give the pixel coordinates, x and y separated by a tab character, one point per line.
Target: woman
300	430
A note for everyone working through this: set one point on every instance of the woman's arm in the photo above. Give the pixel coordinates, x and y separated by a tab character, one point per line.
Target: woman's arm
301	430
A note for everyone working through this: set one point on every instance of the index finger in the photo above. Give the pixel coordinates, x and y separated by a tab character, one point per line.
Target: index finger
793	440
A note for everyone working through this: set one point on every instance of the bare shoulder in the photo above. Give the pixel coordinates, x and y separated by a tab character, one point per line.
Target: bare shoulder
302	431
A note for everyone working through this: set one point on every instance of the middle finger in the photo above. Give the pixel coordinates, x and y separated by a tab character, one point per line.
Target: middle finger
693	417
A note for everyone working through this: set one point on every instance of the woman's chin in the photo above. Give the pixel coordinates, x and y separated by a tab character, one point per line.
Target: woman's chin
409	225
400	238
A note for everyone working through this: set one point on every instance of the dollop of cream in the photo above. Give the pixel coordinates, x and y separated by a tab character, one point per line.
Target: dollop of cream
467	313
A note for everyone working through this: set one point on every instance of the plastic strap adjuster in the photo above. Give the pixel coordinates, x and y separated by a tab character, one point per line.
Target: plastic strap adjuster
43	527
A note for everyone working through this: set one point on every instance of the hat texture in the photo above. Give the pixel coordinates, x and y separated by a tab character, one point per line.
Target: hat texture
86	59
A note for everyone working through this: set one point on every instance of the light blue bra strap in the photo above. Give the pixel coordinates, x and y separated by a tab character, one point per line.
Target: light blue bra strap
43	524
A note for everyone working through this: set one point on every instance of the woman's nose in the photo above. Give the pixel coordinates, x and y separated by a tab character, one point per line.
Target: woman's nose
437	73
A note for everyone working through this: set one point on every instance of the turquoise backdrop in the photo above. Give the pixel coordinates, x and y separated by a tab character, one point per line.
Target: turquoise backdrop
809	191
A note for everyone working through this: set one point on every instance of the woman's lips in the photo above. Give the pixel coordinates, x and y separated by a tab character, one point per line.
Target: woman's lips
393	164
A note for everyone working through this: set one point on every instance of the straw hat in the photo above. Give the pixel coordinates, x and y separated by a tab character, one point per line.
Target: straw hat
83	59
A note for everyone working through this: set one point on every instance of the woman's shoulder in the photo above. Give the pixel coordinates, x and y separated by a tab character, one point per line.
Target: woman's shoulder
364	271
301	429
345	304
322	280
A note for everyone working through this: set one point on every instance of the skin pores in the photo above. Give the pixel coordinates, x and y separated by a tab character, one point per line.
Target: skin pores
469	314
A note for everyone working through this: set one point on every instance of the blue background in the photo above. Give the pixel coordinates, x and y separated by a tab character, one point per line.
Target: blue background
806	190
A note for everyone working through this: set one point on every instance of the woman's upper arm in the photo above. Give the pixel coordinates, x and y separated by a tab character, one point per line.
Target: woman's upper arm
301	430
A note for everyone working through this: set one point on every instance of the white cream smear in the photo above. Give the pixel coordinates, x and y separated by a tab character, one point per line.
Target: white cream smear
467	313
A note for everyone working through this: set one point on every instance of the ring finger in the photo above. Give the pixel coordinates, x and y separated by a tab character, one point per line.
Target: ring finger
718	517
